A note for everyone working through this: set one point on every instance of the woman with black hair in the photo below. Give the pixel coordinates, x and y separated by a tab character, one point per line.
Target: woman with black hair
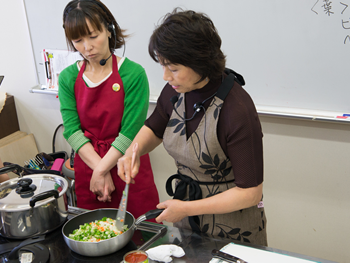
104	101
209	125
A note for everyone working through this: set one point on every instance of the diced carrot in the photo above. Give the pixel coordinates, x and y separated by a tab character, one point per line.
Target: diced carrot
121	220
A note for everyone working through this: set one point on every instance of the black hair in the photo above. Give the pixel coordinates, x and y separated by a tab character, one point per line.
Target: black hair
190	39
77	12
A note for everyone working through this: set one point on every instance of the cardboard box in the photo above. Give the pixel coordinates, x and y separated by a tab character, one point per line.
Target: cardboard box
8	117
20	150
12	137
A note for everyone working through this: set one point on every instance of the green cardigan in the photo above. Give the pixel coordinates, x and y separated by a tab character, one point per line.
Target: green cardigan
136	103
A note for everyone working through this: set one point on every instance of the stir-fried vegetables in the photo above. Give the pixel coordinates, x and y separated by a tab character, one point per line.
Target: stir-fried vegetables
97	231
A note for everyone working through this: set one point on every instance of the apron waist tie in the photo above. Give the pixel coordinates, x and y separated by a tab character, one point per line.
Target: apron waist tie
195	193
100	146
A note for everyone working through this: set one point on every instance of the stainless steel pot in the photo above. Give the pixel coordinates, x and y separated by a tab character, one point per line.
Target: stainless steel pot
32	205
108	246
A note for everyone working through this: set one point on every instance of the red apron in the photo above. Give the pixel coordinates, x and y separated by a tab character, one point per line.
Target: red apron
100	110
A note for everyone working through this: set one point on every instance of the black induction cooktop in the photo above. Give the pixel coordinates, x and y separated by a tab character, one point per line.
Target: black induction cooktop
145	235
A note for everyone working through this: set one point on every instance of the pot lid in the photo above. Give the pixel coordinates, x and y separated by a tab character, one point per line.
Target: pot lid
18	194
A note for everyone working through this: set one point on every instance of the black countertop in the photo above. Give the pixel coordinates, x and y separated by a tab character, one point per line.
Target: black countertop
60	252
197	247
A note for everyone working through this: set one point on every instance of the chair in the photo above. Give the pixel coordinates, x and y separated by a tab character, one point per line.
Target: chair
68	172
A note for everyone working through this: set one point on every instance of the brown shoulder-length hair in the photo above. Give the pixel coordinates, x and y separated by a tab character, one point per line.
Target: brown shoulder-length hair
190	39
74	22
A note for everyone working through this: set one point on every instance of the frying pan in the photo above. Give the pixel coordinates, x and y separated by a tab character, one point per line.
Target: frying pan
108	246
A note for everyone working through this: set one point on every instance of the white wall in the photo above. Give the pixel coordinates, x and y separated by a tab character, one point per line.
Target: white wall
306	188
37	114
306	163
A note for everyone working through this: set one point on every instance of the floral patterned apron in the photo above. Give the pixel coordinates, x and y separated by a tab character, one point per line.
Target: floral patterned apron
202	163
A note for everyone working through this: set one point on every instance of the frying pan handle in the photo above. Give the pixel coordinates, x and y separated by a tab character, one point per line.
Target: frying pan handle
149	215
153	213
10	168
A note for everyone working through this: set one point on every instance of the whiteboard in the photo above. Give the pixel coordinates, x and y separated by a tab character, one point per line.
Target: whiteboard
294	55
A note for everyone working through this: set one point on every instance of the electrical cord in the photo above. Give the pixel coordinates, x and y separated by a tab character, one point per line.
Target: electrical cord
72	154
54	137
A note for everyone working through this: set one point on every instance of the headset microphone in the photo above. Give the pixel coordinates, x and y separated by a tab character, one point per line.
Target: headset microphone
173	100
196	107
103	61
112	30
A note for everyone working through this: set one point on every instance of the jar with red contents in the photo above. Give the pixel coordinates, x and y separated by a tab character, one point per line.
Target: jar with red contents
136	256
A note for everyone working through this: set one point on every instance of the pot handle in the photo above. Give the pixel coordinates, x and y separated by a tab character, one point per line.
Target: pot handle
10	168
43	196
